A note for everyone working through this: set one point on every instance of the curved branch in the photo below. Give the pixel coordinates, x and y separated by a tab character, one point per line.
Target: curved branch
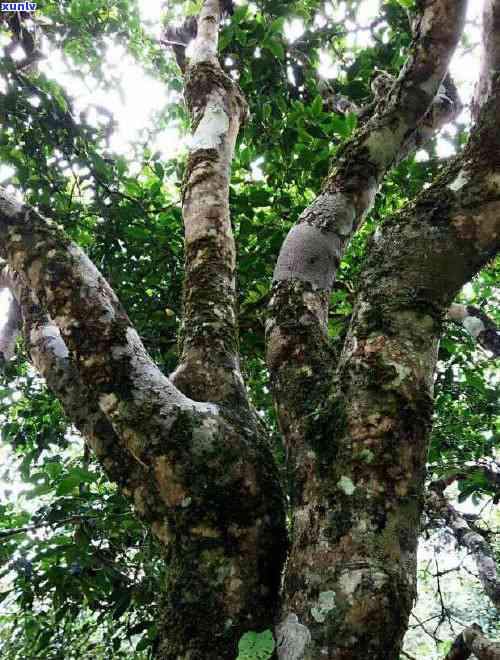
92	322
362	163
179	461
51	357
306	267
479	325
472	641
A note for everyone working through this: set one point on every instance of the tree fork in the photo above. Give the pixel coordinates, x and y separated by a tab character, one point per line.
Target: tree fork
296	331
350	578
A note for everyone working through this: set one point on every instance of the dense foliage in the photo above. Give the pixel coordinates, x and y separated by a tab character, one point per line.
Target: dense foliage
78	571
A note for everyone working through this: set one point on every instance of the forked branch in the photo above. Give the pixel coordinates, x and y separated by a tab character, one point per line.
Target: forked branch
415	107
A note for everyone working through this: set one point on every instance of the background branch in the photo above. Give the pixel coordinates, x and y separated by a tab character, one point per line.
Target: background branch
471	541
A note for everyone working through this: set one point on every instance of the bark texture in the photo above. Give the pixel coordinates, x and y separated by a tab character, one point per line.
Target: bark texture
204	481
472	641
356	432
209	367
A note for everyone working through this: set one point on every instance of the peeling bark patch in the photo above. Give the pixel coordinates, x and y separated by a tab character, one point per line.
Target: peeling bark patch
383	145
346	486
211	129
459	182
52	333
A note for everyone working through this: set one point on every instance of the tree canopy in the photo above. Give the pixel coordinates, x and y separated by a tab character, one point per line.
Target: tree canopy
80	572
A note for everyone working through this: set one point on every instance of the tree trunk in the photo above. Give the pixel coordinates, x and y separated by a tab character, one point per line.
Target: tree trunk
191	453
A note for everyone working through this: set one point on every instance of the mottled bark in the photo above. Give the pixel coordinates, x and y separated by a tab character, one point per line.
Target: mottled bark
209	368
469	539
205	483
351	576
479	325
472	641
298	353
50	355
312	419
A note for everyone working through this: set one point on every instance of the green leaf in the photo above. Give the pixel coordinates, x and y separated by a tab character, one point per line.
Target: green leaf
276	49
67	485
317	106
256	646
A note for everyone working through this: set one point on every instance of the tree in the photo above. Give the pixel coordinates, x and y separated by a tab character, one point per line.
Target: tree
190	451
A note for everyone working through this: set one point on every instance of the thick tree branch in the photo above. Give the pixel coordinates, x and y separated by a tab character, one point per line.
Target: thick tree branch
439	506
356	527
179	461
209	366
472	641
297	346
51	357
362	497
363	162
479	325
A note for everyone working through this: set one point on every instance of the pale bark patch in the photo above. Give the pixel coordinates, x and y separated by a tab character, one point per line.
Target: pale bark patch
309	255
292	638
107	403
52	334
346	485
325	604
212	128
459	181
384	144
